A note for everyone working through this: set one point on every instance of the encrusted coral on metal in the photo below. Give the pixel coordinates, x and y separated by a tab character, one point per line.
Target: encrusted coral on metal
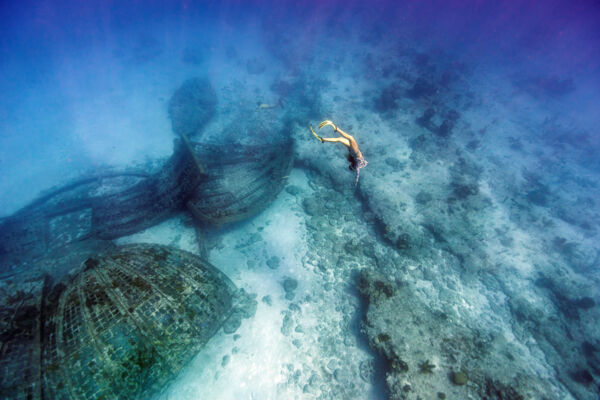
120	329
103	206
239	181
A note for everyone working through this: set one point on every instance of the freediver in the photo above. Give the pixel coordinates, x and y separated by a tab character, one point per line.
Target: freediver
355	157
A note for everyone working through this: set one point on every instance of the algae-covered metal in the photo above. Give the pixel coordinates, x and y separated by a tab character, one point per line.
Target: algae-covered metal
20	339
120	329
103	206
239	181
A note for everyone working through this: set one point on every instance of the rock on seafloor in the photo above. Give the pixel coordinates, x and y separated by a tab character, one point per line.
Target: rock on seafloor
407	334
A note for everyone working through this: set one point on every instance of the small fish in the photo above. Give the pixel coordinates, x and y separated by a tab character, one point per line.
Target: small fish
267	106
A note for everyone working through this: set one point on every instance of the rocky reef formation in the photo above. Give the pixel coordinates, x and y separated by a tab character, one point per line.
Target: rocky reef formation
429	351
477	291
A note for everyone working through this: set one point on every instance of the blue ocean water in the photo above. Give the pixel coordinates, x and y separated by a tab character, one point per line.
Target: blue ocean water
462	262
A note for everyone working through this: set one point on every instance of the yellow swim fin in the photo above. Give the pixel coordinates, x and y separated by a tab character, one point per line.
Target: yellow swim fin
328	122
315	133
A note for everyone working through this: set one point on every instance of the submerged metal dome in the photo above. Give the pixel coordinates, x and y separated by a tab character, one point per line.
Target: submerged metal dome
239	180
120	329
103	206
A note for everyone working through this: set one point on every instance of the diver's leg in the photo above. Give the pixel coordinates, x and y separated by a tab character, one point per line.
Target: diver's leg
344	134
343	141
335	129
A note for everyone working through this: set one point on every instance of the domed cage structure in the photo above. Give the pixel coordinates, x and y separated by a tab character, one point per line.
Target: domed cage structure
239	180
20	340
121	328
103	206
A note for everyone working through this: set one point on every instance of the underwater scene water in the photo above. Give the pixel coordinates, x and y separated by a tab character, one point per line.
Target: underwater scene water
300	200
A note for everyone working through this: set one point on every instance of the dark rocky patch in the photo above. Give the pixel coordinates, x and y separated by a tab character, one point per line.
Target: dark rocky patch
311	206
435	232
473	145
289	285
283	88
589	349
422	88
460	191
267	300
494	390
582	376
584	303
376	288
403	241
418	143
447	125
394	163
538	195
273	262
293	190
444	129
459	378
425	119
387	99
301	98
515	143
537	192
423	197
